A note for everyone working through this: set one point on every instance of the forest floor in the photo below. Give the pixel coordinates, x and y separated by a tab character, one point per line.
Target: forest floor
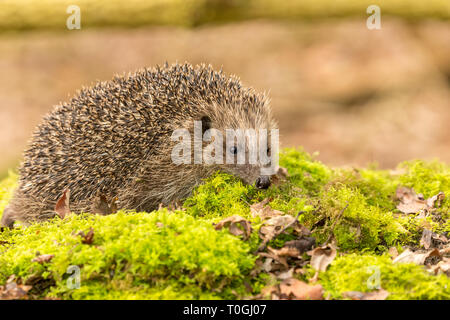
317	233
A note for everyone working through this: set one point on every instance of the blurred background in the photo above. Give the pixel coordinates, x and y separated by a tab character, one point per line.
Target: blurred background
356	95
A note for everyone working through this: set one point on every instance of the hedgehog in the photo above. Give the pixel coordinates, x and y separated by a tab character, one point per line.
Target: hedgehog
114	139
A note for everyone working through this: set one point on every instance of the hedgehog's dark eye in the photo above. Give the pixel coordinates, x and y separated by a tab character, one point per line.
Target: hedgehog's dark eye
206	123
233	150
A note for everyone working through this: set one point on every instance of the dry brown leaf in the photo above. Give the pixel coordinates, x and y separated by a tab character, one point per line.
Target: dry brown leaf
62	207
441	267
294	248
295	289
281	221
406	195
264	211
13	291
379	294
277	259
278	225
302	245
412	207
409	256
410	202
233	224
272	253
431	240
281	175
426	241
87	238
445	250
267	265
271	226
257	207
321	257
43	258
287	252
436	200
101	205
286	274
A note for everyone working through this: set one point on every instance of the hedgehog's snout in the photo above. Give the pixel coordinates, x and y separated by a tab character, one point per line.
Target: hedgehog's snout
263	182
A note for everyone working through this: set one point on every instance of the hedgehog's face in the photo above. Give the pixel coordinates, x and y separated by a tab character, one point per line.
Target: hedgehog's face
251	172
249	149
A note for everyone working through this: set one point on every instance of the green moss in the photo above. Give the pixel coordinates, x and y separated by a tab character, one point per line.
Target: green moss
361	225
156	248
377	186
306	174
427	178
358	272
221	195
179	255
123	290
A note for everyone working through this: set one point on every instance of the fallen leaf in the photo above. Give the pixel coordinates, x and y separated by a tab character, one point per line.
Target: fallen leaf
13	291
274	225
445	250
295	289
281	221
286	274
436	200
101	205
287	251
255	208
264	211
278	225
62	207
379	294
278	259
409	256
410	202
233	224
426	241
302	245
441	267
411	207
43	258
267	265
321	257
270	228
272	253
431	240
281	175
87	238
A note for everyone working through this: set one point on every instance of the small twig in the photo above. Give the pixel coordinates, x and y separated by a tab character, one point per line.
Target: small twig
334	225
276	234
246	202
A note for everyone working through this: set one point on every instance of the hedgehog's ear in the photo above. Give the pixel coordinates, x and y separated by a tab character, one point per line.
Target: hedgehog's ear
206	123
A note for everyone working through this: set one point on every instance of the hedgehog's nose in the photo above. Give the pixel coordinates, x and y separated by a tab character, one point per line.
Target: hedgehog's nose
263	182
